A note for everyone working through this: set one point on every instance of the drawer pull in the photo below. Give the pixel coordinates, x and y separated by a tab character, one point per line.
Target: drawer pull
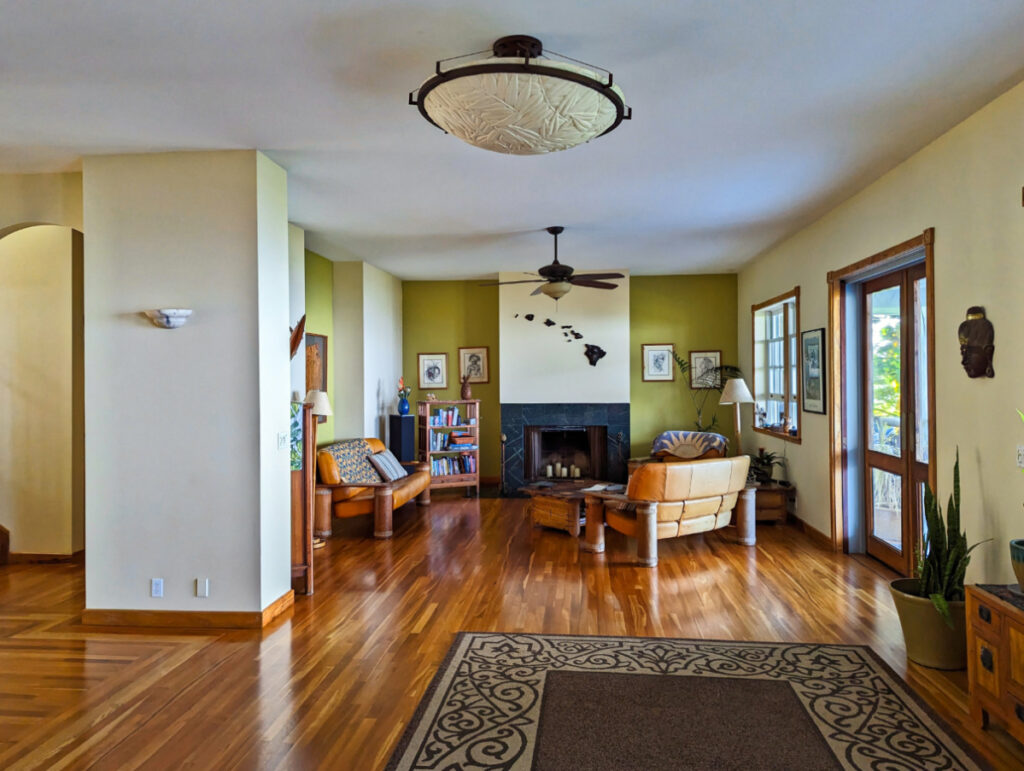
987	661
985	614
1018	710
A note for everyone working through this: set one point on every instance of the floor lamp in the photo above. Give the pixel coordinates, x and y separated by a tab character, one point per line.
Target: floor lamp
319	405
736	393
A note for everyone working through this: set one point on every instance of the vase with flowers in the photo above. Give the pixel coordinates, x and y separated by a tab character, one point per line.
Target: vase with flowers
403	397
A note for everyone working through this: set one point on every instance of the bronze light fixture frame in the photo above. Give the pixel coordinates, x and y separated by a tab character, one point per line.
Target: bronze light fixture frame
527	48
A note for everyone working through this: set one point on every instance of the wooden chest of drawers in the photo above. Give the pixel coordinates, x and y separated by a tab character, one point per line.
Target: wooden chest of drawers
995	657
771	502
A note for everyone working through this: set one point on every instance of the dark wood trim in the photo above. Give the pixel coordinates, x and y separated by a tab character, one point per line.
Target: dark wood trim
29	558
793	293
5	545
837	283
191	619
925	239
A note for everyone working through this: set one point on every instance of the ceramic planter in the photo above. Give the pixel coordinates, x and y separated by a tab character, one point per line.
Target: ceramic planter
930	642
1017	560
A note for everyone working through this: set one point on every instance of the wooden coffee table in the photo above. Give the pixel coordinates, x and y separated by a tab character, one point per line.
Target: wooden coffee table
561	505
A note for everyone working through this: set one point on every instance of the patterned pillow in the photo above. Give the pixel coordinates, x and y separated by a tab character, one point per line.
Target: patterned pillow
352	455
387	464
688	444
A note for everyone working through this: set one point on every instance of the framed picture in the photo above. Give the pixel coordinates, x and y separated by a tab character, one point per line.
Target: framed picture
433	369
704	369
813	349
659	364
474	362
316	365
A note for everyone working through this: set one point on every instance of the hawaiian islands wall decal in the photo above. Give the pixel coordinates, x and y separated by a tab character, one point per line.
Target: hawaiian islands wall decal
594	353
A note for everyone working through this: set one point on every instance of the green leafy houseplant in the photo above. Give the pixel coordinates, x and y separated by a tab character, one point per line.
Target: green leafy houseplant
700	395
762	465
943	559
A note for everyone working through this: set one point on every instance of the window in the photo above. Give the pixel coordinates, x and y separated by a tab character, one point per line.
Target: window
777	366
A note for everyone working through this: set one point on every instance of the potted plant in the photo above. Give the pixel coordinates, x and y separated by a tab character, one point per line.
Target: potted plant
931	605
762	466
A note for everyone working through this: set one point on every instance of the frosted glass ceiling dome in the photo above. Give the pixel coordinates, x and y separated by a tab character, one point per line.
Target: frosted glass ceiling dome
520	101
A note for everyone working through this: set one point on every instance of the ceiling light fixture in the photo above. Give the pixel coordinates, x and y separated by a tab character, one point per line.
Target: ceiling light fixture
520	101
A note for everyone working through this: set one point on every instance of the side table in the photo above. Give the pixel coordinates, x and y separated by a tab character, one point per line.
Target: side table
771	502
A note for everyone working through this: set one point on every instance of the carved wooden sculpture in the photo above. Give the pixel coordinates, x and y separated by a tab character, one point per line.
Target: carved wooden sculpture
977	338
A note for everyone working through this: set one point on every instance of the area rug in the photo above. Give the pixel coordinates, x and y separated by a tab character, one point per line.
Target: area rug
523	701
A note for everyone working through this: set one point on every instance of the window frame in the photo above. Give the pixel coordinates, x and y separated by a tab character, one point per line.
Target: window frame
791	396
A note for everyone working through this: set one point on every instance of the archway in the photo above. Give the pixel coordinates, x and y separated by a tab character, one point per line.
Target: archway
42	438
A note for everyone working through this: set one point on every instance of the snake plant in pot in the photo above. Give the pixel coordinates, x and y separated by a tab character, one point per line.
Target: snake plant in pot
931	605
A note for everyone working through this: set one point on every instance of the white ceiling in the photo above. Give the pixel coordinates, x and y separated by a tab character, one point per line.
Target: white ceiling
751	117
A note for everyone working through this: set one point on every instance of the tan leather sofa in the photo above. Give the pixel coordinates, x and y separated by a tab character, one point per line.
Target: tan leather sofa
665	500
336	497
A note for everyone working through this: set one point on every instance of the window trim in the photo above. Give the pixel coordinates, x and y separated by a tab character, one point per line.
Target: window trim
797	397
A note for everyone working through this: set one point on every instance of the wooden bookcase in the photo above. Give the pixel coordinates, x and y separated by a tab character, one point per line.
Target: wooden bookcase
428	431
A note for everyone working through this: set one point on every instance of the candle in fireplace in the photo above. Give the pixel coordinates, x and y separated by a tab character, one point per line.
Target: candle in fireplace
548	471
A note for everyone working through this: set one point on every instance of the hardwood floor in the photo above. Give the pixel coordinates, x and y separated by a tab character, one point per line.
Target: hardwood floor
333	684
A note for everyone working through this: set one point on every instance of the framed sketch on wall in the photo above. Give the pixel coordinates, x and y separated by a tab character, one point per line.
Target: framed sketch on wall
474	362
316	366
705	369
658	362
813	348
433	369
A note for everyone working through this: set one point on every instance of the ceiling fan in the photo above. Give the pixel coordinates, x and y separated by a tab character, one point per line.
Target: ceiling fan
557	279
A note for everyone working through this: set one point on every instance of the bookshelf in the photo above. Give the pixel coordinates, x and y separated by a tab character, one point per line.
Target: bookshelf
449	440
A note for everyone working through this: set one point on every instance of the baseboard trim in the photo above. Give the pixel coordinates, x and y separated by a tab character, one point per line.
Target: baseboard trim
818	537
28	558
191	619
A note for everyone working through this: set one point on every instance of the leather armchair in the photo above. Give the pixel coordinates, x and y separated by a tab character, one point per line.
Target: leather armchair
666	500
337	498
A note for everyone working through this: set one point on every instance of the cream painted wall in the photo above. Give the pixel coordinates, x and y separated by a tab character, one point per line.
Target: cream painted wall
181	434
273	241
382	348
297	301
54	199
40	474
539	366
345	351
967	185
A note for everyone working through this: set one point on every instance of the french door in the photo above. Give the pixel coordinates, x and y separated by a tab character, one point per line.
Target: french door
895	406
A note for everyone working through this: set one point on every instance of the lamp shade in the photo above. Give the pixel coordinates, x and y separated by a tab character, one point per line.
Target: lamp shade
321	405
736	392
556	289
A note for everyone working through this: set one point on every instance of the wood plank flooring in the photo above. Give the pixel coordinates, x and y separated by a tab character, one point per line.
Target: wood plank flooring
333	684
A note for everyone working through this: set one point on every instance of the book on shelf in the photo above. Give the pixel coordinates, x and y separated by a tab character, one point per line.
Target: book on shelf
460	464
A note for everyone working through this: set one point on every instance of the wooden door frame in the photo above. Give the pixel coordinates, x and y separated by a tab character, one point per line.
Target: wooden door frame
837	417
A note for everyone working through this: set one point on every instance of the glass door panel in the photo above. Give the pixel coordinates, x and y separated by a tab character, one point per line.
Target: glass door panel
921	370
887	507
885	366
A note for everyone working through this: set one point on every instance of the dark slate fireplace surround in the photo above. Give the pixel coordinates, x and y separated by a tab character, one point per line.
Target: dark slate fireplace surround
515	417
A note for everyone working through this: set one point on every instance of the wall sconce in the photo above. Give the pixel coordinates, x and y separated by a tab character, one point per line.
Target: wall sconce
169	318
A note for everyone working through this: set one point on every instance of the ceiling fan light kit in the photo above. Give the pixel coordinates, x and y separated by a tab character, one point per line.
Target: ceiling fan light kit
520	101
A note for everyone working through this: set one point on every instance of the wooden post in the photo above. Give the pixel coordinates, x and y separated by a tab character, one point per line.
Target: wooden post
594	539
647	534
745	517
383	503
5	545
322	513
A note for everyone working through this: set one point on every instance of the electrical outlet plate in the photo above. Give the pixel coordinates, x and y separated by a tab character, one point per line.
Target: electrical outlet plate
282	441
1020	456
156	587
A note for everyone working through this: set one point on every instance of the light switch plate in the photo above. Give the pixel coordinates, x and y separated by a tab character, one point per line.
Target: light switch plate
202	587
156	587
282	441
1020	456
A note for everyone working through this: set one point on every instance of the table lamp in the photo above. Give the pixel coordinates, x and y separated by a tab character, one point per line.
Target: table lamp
736	393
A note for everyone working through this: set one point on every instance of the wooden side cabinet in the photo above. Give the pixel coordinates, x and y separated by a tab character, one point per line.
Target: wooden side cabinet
995	657
770	502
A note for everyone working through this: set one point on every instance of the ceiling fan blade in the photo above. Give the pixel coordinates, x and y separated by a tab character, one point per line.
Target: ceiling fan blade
538	290
593	284
599	275
503	283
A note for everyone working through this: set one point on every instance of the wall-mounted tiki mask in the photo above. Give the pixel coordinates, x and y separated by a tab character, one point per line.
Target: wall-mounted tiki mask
977	338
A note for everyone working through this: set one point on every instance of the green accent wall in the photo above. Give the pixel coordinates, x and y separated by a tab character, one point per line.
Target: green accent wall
440	317
320	321
695	312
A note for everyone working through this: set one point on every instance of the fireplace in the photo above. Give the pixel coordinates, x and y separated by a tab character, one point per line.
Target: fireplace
593	436
584	447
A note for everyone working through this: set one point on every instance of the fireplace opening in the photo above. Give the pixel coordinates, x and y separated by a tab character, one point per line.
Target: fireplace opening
585	447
